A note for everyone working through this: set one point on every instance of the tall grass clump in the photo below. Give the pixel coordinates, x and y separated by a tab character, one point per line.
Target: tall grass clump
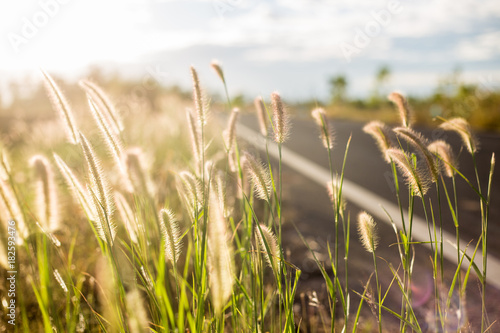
165	222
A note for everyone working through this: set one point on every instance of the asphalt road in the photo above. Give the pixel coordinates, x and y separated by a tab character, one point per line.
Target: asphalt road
307	205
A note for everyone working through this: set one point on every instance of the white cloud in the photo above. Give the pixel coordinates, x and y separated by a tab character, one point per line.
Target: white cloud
483	47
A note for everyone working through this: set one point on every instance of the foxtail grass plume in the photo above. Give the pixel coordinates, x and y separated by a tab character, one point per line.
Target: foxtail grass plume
60	103
95	93
230	132
113	141
415	178
137	316
171	235
326	131
199	99
220	257
136	173
218	70
190	189
219	184
60	280
127	217
195	135
259	176
261	115
381	133
104	226
99	193
420	143
367	233
462	128
281	122
448	161
268	246
403	108
333	194
47	205
12	211
73	183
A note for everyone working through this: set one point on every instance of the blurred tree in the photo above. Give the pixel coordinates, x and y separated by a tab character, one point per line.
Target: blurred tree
338	87
381	77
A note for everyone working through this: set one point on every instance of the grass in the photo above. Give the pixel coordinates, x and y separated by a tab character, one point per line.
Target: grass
157	222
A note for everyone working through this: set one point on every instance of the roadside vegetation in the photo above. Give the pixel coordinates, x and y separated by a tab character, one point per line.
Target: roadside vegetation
142	215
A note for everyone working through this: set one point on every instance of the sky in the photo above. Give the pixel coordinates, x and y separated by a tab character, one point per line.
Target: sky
293	46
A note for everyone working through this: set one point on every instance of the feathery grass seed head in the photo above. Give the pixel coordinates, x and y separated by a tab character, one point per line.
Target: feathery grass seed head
104	103
136	172
380	132
367	232
100	195
415	178
260	177
445	153
403	108
220	256
218	69
113	141
280	118
462	128
171	235
326	131
60	103
127	216
137	316
273	256
13	210
420	143
230	132
195	135
47	205
74	184
198	98
261	115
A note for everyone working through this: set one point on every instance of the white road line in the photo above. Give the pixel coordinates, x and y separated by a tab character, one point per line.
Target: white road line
372	203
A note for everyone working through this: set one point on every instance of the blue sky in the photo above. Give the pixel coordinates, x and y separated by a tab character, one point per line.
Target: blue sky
292	46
